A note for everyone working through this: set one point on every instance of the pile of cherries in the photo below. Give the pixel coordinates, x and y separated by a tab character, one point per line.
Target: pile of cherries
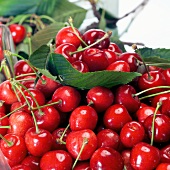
47	125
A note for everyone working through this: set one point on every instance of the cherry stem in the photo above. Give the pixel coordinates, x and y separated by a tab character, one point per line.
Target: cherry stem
5	69
5	127
90	103
10	143
61	138
1	103
29	43
48	18
72	26
108	34
152	88
153	121
85	142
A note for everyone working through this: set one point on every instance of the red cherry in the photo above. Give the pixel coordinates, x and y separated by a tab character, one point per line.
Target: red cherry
68	98
76	139
116	116
18	32
48	118
166	74
120	65
80	66
163	166
18	125
125	95
15	149
106	158
67	35
3	122
95	59
82	166
132	133
114	47
157	79
79	118
32	161
47	86
108	138
111	56
165	154
165	109
38	143
21	167
58	159
144	156
100	98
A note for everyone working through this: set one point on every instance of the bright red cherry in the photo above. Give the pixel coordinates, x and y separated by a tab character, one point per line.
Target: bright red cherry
114	47
21	167
166	74
85	165
67	35
3	122
81	66
111	56
18	32
165	154
163	166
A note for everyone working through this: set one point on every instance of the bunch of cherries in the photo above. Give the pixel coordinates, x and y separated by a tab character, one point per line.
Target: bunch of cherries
47	125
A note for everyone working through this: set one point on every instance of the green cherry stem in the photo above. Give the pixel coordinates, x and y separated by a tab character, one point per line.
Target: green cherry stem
85	142
4	67
48	18
4	127
61	138
153	121
9	143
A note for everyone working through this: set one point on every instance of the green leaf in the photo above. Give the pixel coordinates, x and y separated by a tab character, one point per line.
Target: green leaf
59	66
65	9
44	36
158	56
102	23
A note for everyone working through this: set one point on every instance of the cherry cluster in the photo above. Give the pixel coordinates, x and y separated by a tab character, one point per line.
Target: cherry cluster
47	125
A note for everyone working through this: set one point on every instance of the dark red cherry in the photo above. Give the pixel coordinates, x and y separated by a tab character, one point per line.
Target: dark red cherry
114	47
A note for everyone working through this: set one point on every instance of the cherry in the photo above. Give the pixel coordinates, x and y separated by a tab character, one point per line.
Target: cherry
93	35
132	133
66	50
155	79
3	122
79	118
81	66
106	158
84	140
48	118
144	156
21	167
114	47
121	66
163	166
38	143
47	86
17	124
165	154
111	56
95	59
161	127
18	32
166	74
68	98
68	35
125	95
85	165
100	98
57	159
108	138
32	161
13	147
57	134
116	116
165	109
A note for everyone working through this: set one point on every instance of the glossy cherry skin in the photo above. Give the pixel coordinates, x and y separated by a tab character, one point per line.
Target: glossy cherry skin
18	125
58	159
125	95
65	50
48	118
21	167
75	140
93	35
121	66
132	133
165	154
57	133
111	56
108	138
68	98
161	128
3	122
15	151
163	166
165	109
131	59
18	32
157	79
79	118
144	156
100	98
114	47
106	158
95	59
166	74
38	143
47	86
81	66
85	165
67	35
7	93
116	116
32	161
